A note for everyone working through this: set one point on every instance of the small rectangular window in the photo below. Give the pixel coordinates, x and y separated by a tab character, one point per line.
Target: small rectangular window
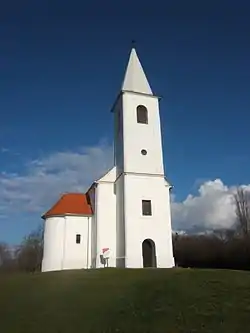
146	207
78	239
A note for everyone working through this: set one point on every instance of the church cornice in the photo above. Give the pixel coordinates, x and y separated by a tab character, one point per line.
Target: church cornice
146	175
141	94
140	174
132	92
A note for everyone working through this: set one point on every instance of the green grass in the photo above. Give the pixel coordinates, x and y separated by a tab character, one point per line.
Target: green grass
110	300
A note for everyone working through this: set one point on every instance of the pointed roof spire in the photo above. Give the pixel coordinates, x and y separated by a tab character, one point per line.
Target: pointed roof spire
135	79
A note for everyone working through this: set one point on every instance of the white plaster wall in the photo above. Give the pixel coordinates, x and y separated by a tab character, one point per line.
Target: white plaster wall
109	177
118	136
60	248
93	241
77	255
138	136
120	226
53	244
156	227
92	196
106	221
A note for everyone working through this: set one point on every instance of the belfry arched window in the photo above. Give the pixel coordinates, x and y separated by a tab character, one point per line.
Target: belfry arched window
142	114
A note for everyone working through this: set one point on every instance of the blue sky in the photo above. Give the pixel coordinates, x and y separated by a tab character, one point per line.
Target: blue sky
61	67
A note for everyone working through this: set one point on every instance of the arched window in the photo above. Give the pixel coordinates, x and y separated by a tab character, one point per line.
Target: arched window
142	114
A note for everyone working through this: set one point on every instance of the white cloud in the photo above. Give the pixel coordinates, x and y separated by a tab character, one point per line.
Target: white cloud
212	208
45	179
4	150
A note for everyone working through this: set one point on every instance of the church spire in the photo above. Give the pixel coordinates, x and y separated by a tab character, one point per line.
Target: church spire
135	79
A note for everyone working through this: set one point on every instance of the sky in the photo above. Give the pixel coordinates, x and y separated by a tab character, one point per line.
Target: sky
61	67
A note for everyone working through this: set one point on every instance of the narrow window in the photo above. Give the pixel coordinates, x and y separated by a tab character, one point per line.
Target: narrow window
78	239
146	207
142	114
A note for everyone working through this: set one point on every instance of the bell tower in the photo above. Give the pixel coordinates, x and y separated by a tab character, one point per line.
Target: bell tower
144	234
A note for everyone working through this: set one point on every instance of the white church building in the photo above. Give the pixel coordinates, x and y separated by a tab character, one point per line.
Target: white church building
124	218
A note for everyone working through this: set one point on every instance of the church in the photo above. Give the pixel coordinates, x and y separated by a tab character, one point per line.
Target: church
124	218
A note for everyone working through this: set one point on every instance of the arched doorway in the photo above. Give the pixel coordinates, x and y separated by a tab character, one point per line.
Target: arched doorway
148	253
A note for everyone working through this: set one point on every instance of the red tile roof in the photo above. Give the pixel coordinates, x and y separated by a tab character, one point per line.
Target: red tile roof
70	203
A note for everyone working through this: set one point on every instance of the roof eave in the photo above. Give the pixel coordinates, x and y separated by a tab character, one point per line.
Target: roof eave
44	217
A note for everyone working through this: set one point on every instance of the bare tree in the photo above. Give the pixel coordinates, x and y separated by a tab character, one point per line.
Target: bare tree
5	256
242	210
29	253
3	253
224	235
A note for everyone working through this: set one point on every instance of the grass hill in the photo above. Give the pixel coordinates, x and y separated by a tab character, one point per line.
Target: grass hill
112	300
